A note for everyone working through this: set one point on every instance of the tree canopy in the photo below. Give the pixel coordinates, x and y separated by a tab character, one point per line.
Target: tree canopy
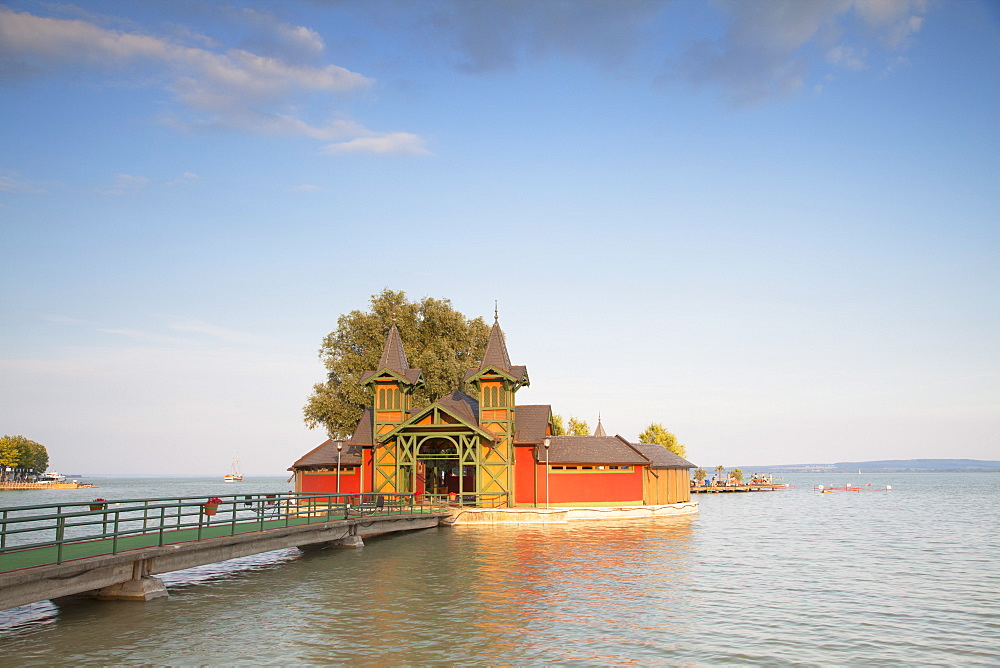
658	434
577	427
23	456
437	339
558	425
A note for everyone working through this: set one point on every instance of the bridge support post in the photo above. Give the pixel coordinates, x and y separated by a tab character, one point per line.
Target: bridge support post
349	541
142	586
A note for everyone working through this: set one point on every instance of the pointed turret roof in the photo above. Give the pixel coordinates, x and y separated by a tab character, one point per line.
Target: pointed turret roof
599	431
496	356
394	359
393	356
496	350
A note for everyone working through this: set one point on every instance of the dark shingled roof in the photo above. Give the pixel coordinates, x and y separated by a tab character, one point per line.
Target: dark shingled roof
590	450
461	405
325	455
363	432
661	458
393	356
496	356
394	359
516	371
496	350
531	422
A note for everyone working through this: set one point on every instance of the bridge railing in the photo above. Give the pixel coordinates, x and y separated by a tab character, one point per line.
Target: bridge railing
476	499
125	523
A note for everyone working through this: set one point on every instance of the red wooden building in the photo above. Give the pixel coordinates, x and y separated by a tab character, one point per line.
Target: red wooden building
482	448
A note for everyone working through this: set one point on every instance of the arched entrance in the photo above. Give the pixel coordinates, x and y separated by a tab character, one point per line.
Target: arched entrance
439	468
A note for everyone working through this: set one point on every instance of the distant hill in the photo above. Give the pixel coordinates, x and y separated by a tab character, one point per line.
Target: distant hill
887	466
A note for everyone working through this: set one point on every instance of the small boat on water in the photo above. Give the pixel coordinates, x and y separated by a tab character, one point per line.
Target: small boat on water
234	474
52	476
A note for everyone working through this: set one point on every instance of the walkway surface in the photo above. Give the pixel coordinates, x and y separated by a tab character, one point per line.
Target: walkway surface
40	556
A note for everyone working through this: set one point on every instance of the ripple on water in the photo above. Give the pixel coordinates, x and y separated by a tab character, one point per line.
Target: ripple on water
790	577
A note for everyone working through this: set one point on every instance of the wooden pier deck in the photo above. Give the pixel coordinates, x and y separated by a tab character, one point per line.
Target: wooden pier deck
47	485
722	489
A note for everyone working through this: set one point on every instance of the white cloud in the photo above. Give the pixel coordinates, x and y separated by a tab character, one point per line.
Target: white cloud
764	52
399	143
12	184
847	57
214	331
186	177
232	89
125	183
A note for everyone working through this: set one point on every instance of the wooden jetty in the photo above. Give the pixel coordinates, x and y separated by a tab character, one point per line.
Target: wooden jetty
722	489
46	485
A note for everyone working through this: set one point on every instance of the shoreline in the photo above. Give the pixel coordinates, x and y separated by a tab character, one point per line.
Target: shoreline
46	485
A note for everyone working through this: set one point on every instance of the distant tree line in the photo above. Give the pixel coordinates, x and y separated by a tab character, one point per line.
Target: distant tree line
21	458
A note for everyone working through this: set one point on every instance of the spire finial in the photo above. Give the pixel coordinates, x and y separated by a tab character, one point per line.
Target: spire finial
496	311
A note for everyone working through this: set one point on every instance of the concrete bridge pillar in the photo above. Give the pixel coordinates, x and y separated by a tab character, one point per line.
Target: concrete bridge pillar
142	586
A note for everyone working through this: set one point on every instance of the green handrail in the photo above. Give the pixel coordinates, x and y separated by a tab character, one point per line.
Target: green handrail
109	526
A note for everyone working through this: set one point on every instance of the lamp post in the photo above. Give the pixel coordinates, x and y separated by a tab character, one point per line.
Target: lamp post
340	446
546	442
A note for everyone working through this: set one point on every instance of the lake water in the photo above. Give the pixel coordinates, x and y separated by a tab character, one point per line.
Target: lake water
908	577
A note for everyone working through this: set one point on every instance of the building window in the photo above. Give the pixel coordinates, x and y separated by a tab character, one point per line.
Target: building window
388	398
579	468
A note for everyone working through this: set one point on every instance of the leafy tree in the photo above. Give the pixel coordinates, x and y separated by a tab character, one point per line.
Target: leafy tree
658	434
10	454
700	475
737	475
437	339
558	425
719	470
577	427
23	456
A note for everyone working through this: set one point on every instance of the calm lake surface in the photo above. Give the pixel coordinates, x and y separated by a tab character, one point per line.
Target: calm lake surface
908	577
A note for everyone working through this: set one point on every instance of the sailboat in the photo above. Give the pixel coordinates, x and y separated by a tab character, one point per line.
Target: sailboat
234	474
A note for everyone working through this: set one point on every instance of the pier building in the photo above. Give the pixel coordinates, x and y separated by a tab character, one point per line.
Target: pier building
482	448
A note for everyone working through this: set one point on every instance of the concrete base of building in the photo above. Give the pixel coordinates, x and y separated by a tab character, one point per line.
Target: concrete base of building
480	516
143	589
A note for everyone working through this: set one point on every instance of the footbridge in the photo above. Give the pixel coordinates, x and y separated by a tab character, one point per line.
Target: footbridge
113	549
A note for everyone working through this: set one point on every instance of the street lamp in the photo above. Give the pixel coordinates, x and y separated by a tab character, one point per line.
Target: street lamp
340	446
546	442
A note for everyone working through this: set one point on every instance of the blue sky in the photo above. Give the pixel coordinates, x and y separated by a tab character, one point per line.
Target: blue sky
771	226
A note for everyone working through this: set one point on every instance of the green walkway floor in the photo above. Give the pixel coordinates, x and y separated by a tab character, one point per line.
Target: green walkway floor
40	556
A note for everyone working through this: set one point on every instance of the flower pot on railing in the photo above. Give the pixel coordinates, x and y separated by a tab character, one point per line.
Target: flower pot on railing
98	504
211	506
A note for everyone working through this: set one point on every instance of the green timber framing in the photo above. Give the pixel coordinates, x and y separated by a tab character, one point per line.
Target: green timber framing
396	453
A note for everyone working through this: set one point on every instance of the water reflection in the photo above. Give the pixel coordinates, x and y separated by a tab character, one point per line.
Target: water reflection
792	577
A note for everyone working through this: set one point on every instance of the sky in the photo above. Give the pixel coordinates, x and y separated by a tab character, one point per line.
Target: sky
772	227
